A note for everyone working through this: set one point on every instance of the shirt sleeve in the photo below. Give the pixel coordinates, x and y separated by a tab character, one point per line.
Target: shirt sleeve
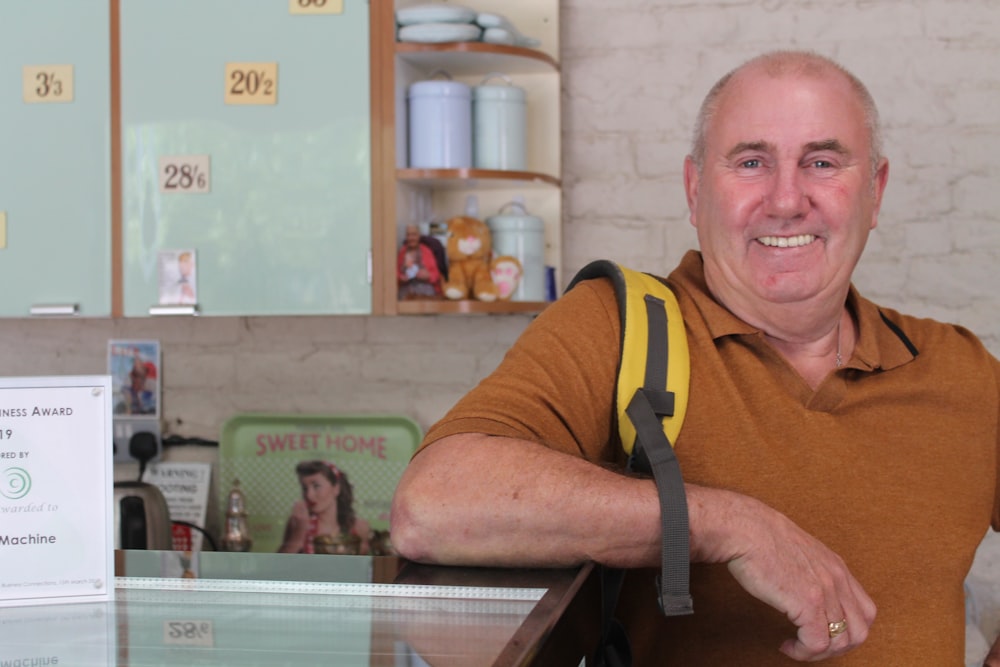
555	386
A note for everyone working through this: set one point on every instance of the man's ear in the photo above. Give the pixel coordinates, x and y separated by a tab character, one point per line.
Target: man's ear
880	179
691	177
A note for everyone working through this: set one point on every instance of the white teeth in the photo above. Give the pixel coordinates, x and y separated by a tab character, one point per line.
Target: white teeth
787	241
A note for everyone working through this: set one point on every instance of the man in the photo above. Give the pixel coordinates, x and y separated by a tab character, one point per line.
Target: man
840	458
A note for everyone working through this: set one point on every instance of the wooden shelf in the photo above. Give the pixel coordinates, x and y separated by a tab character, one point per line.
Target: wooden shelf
462	58
475	178
468	307
412	195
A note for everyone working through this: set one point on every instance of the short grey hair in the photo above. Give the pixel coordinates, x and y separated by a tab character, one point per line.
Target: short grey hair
777	63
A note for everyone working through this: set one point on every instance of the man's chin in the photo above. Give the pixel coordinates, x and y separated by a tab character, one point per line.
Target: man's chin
788	288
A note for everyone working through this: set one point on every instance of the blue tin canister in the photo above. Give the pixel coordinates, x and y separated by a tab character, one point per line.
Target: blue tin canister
440	124
499	116
519	234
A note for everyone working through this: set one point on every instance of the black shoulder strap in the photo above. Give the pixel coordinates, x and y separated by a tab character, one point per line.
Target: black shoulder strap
654	452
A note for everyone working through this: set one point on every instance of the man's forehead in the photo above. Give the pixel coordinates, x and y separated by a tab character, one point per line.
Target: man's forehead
756	77
821	100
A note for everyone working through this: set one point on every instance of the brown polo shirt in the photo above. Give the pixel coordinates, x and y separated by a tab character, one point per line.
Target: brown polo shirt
891	461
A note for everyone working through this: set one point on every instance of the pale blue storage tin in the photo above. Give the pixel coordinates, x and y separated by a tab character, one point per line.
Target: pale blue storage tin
519	234
440	125
499	116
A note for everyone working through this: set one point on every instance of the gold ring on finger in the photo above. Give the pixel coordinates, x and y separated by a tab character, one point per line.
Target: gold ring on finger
837	627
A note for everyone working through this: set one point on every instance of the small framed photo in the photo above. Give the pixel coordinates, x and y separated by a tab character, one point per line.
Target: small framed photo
178	278
135	369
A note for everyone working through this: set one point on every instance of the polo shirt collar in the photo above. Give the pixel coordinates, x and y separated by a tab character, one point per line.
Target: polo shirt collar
877	347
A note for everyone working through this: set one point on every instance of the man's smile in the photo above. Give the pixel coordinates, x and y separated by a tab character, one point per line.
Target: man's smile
786	241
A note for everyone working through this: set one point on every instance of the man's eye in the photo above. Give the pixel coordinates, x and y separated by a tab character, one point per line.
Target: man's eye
822	164
752	163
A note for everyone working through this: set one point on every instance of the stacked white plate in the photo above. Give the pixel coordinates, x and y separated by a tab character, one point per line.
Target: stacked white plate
440	22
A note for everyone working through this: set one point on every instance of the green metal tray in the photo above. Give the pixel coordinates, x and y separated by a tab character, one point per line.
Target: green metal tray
261	450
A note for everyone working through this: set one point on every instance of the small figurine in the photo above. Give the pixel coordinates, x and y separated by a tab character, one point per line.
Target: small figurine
506	272
418	274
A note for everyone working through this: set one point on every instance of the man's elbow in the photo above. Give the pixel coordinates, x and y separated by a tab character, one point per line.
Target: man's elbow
411	538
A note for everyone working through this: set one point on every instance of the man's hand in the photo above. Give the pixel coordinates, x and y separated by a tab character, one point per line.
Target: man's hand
783	566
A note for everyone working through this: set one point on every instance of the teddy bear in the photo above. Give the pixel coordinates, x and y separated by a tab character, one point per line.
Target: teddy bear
469	250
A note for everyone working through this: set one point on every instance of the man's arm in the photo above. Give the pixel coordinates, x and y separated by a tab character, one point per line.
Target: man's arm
484	500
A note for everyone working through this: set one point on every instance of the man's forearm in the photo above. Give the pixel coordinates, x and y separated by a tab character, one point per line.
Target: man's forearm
484	500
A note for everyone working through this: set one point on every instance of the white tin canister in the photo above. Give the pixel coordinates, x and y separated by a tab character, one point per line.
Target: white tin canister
440	124
499	116
517	233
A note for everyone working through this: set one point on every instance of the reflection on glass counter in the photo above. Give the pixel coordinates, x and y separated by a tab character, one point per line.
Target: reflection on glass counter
65	634
332	624
173	608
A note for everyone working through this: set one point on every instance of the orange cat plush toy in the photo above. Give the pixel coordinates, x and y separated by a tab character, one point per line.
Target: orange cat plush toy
469	250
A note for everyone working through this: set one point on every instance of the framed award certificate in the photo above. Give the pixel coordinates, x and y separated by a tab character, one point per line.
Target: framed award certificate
56	487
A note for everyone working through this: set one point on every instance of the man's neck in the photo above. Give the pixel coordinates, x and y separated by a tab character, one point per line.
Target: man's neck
809	336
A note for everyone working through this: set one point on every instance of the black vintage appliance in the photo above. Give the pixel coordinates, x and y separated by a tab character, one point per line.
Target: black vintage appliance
142	518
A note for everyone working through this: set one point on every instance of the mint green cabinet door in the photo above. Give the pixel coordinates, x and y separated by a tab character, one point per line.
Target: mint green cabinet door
284	227
55	156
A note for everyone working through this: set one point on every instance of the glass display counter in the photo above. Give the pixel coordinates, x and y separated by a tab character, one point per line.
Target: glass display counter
282	609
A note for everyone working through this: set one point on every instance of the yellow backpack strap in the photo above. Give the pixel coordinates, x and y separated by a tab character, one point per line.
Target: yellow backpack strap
647	310
651	401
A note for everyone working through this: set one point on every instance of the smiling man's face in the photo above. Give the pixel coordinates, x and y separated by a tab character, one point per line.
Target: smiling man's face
785	198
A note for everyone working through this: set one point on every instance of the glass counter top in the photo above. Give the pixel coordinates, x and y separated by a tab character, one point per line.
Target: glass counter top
281	609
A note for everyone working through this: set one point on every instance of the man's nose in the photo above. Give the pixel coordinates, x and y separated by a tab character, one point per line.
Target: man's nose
787	197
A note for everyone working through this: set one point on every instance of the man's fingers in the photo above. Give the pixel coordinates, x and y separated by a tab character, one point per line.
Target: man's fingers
818	639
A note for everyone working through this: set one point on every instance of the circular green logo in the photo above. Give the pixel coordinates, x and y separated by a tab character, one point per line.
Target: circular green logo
15	484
